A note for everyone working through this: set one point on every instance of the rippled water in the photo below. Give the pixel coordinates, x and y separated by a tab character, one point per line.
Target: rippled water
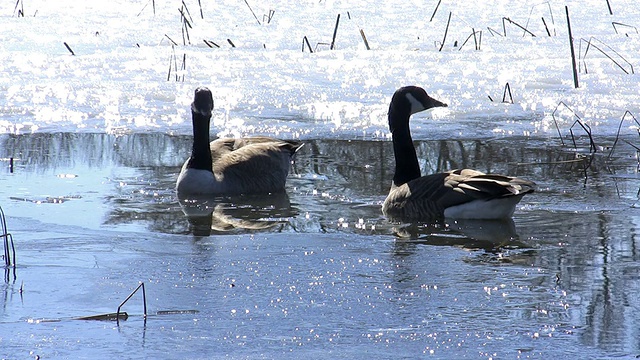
320	272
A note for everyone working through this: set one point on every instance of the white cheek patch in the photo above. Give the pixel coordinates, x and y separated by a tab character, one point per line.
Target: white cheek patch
416	106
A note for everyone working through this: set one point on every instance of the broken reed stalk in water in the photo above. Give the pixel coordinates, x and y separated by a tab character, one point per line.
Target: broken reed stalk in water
211	44
444	38
590	43
254	14
21	11
201	13
9	247
435	10
364	38
573	53
186	24
170	39
546	27
614	23
507	88
184	65
268	17
476	39
618	133
144	301
147	4
306	41
504	27
609	6
335	32
69	48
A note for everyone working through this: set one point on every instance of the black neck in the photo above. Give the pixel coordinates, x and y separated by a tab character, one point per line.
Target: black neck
407	167
201	153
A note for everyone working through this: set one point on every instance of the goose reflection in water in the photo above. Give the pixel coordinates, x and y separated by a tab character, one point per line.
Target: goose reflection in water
209	215
472	234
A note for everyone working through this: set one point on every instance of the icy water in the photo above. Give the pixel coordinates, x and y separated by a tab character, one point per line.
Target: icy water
97	139
319	273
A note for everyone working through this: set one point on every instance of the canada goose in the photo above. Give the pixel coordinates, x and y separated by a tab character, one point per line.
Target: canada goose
257	165
462	193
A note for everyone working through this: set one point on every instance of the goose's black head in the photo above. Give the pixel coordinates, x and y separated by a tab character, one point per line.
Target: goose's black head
407	101
202	102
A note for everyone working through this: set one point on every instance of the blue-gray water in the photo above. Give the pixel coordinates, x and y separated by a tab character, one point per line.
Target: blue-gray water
319	273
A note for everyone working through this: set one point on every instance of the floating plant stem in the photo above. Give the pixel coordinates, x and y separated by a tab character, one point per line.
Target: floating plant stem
105	317
444	38
144	301
573	53
335	32
435	10
69	48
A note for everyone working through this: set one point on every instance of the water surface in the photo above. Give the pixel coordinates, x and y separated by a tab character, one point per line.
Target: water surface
318	272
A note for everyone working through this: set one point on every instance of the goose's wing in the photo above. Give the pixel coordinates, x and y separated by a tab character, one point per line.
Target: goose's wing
429	195
252	165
